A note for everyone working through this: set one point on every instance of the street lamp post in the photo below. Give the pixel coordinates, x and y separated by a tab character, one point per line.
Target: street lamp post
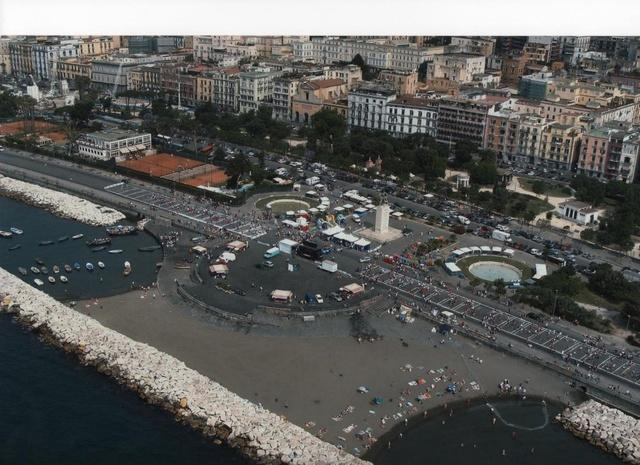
555	303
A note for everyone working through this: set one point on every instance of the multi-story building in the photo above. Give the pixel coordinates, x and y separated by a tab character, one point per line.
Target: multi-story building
610	153
461	119
351	74
313	95
284	89
535	86
573	47
113	143
21	56
484	46
367	106
97	46
113	73
73	68
403	82
408	115
560	146
256	88
375	53
529	139
46	56
459	67
501	133
145	78
5	56
513	68
178	84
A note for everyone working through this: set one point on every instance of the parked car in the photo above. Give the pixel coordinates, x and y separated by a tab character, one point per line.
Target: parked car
319	299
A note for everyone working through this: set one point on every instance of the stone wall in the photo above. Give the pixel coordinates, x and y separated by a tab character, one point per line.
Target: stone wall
59	203
605	427
163	380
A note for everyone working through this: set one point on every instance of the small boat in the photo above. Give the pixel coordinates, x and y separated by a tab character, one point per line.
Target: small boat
45	243
35	270
68	268
101	265
89	266
63	238
76	265
63	279
127	269
44	270
6	234
115	251
39	282
15	247
98	249
56	269
39	261
51	279
77	236
99	241
149	248
22	271
120	230
16	231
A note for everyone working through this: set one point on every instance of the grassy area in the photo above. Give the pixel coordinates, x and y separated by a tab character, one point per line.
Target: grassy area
553	190
283	203
534	204
465	263
586	296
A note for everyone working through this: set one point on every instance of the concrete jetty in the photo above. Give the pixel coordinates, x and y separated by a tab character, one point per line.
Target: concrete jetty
166	381
59	203
605	427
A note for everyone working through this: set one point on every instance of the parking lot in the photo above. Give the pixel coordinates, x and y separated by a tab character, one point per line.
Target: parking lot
204	214
589	354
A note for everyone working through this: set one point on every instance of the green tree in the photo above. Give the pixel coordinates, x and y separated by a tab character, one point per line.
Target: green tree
328	125
539	187
500	286
464	151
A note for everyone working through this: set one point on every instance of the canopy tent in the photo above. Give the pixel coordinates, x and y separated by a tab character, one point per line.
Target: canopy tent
279	295
353	289
332	231
541	271
465	250
508	252
475	248
124	150
362	243
141	147
218	269
236	246
199	249
452	268
338	209
485	248
348	206
458	253
397	214
290	223
228	256
496	249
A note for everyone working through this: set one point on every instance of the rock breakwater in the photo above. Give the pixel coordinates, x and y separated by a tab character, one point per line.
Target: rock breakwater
166	381
605	427
59	203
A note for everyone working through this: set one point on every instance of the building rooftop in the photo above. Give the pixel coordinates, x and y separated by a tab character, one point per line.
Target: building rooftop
111	135
324	83
410	101
576	204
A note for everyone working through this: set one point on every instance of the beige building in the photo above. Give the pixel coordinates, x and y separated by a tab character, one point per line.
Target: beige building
560	146
351	74
256	88
313	95
97	46
73	68
458	67
5	56
404	82
220	88
284	90
484	46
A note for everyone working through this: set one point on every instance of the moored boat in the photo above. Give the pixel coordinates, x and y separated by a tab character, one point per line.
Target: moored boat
56	269
63	279
15	247
115	251
51	279
63	238
16	231
45	243
127	268
6	234
99	241
68	268
22	271
149	248
89	266
77	236
44	270
101	265
39	261
77	266
99	248
121	230
35	270
39	282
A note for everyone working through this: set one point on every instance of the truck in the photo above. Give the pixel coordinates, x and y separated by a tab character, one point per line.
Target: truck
312	180
328	265
272	252
463	220
501	236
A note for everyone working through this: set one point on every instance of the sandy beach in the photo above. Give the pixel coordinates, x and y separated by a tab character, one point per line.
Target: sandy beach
311	379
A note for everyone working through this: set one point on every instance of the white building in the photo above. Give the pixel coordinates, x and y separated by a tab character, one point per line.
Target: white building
367	106
256	87
113	73
113	143
457	67
46	55
284	89
410	115
205	46
578	212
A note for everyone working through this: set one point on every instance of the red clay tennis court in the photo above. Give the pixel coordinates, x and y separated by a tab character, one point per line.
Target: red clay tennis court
15	127
160	164
214	176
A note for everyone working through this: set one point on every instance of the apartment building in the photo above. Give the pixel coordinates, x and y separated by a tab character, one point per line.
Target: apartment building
560	146
5	56
145	78
501	133
408	115
610	153
255	88
535	86
21	57
529	139
113	73
403	82
367	106
73	68
47	55
205	46
458	67
573	47
351	74
462	119
313	95
97	46
284	90
220	88
484	46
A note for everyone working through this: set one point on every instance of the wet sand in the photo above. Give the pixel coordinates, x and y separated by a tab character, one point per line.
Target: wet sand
312	379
